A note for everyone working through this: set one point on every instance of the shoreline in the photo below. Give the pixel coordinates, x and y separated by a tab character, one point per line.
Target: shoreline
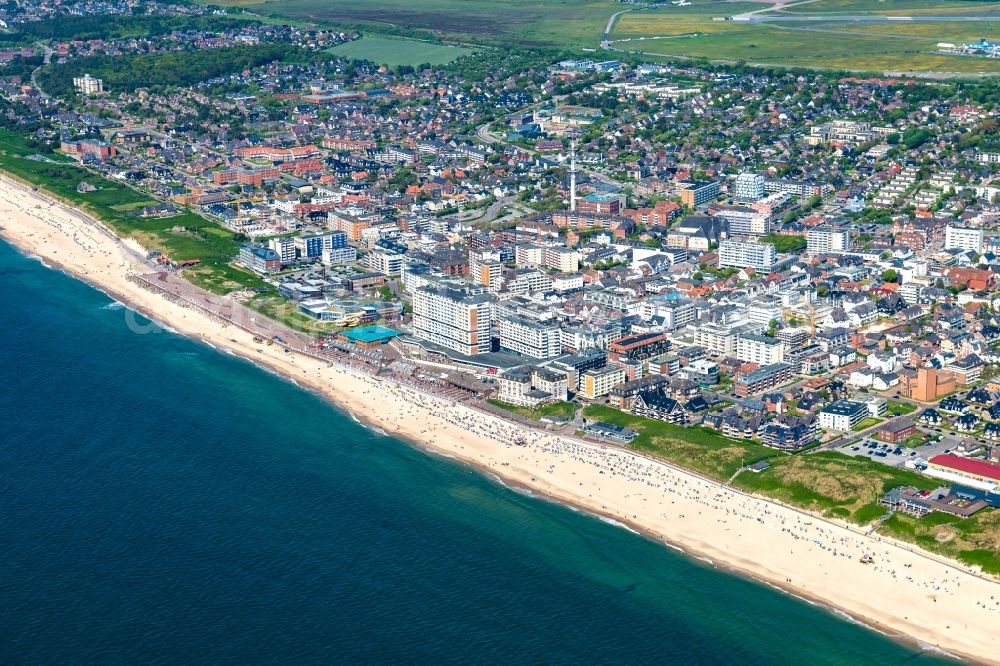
612	484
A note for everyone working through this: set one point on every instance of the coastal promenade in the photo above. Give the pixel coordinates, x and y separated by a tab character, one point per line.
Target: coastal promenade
902	592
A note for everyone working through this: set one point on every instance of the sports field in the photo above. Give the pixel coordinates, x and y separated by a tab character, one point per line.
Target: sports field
394	52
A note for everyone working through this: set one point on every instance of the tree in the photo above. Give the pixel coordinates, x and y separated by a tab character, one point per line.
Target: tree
889	275
822	291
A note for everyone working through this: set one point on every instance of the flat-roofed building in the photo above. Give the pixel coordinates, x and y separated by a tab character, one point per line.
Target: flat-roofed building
741	254
843	415
763	379
966	471
453	317
759	349
598	382
529	338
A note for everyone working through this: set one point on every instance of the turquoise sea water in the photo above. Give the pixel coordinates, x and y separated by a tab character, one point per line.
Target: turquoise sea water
166	503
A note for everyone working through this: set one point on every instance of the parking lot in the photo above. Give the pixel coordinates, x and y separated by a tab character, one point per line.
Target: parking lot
896	455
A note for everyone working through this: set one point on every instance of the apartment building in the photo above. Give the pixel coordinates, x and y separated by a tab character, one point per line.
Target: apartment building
453	317
843	415
385	261
529	386
963	238
529	338
589	336
745	221
562	259
763	379
696	193
749	187
598	382
741	254
759	349
828	239
284	246
259	259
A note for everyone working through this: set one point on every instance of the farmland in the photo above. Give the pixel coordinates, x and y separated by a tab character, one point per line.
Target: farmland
395	52
692	31
558	23
856	44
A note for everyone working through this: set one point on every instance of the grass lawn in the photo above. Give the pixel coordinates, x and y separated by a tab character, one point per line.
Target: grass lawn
867	423
693	447
831	483
900	408
181	237
394	52
564	409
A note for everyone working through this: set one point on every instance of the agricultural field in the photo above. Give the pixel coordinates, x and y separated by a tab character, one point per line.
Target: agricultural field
393	52
555	23
903	46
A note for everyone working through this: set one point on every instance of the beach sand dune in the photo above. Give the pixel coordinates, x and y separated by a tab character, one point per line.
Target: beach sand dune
904	592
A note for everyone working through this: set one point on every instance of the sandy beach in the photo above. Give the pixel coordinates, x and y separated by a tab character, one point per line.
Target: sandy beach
904	593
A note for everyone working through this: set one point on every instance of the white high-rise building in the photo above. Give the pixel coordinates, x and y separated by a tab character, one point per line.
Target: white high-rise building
530	338
453	317
88	85
828	240
285	247
963	238
740	254
749	187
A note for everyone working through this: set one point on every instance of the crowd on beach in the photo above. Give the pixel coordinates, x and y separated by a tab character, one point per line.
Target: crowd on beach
669	488
585	472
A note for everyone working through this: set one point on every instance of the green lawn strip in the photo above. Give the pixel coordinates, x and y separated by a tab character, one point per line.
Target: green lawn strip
867	423
694	447
564	409
900	408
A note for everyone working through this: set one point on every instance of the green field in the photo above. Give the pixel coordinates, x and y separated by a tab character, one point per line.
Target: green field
884	46
671	31
555	23
393	52
181	237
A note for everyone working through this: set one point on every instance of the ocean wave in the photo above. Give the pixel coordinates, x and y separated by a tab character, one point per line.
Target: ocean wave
114	305
612	521
936	650
853	620
31	255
